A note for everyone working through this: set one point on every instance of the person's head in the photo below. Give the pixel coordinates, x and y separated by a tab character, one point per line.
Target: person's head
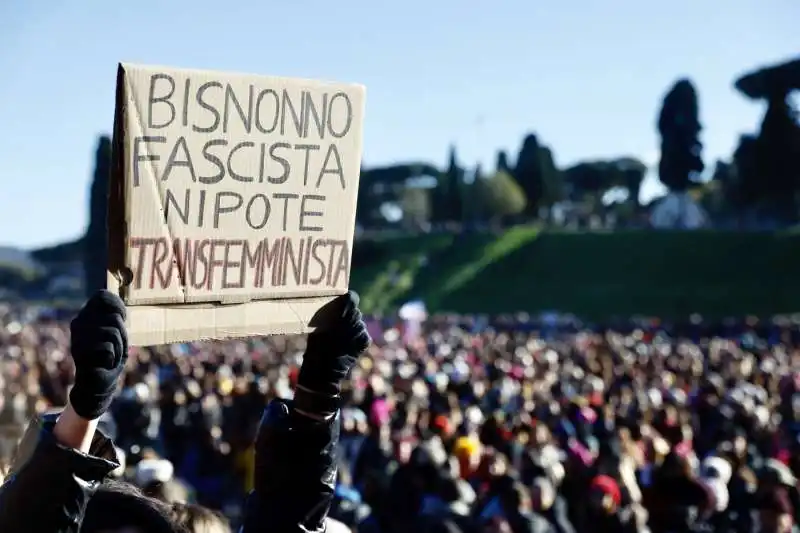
119	507
353	422
468	451
541	435
605	495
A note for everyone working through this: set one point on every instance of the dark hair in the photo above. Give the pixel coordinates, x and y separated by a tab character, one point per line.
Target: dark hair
196	519
117	504
173	491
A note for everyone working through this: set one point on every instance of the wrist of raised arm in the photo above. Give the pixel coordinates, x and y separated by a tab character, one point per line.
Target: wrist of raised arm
316	405
73	431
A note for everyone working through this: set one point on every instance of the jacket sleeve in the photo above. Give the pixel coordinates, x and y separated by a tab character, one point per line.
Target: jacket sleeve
295	472
49	485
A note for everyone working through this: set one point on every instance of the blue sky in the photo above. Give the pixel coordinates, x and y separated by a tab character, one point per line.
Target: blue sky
586	75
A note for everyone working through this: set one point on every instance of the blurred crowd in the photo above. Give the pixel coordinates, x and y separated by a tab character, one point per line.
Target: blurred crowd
469	424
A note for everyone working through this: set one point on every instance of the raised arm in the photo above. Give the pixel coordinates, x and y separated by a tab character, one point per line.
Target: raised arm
62	458
296	442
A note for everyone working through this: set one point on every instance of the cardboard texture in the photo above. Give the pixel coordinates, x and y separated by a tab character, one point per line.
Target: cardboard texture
232	201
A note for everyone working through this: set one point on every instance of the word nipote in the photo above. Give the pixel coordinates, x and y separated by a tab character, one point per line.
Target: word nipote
211	264
204	209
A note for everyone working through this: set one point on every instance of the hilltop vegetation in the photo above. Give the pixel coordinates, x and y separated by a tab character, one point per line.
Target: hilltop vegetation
595	275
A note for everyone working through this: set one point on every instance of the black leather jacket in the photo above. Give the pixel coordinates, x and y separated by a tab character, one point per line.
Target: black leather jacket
50	485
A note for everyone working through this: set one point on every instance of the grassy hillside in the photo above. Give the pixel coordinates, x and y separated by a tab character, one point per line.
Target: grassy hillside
591	274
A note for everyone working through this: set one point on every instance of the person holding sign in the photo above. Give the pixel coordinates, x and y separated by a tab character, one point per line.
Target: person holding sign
59	482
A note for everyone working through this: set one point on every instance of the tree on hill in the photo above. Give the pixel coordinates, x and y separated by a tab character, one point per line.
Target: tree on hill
397	174
768	165
595	178
538	176
503	195
631	174
719	195
678	123
778	157
502	162
385	185
453	183
475	208
723	172
95	243
447	198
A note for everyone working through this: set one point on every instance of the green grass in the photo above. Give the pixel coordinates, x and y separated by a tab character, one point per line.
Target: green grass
591	274
384	285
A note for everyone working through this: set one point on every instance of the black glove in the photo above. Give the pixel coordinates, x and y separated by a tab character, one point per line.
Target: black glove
333	348
99	349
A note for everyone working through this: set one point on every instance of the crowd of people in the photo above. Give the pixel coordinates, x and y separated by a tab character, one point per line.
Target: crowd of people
467	424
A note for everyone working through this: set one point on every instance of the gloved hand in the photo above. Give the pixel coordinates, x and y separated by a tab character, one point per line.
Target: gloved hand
99	349
333	348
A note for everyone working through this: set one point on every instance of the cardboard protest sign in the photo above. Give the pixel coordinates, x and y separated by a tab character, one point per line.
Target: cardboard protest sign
232	201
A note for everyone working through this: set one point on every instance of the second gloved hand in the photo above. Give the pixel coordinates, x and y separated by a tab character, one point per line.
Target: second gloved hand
334	347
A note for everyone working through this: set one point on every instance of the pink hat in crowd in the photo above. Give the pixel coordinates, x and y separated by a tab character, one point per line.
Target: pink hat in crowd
588	415
581	452
379	413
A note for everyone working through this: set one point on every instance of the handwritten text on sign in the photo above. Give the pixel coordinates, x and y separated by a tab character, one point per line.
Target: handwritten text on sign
256	183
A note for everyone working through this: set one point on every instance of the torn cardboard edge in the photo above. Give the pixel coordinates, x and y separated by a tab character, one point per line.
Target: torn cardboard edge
165	324
152	325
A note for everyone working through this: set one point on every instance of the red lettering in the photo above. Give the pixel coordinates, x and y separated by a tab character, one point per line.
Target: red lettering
318	260
140	244
227	264
254	260
201	257
279	266
342	264
296	260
